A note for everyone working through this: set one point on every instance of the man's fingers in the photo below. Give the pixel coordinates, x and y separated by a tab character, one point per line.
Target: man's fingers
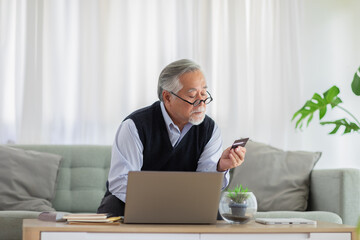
241	153
238	156
234	158
236	161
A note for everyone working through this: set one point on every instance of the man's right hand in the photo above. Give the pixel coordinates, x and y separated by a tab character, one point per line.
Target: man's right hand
231	158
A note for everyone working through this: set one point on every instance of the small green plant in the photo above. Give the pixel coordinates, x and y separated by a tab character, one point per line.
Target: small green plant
238	194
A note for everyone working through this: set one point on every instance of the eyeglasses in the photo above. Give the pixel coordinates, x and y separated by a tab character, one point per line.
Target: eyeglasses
197	101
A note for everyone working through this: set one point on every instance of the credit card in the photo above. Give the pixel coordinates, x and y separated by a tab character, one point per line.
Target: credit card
240	142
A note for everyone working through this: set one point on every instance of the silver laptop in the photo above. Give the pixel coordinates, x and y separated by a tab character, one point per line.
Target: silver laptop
172	197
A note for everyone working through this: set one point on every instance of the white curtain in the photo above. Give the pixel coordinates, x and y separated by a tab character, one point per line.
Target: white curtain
70	71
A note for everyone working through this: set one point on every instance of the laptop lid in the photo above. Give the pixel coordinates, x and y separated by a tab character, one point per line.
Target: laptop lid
172	197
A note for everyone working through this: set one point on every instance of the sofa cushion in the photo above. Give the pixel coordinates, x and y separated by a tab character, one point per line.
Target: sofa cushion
27	179
82	175
279	179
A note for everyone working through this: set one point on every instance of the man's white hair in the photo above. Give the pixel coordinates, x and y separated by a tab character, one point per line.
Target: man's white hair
169	79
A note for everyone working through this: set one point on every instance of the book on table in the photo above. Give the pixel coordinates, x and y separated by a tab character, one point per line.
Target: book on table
91	218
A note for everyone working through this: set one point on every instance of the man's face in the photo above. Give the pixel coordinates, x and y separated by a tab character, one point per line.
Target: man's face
194	87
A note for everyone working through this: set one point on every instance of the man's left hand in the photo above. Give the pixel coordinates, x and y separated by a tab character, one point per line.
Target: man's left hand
231	158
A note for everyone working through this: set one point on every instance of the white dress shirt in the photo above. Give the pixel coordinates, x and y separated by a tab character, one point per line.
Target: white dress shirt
127	153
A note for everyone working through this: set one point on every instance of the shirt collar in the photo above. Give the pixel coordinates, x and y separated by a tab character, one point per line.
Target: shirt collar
169	122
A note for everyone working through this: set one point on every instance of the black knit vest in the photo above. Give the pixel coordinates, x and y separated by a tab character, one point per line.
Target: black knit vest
158	153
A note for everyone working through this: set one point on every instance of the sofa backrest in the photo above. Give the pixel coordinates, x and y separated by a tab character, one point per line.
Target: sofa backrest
82	175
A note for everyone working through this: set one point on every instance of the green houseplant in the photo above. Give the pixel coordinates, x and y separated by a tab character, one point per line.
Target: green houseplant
237	205
329	98
238	197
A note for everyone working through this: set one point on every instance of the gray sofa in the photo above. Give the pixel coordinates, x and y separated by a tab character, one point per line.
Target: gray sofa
334	194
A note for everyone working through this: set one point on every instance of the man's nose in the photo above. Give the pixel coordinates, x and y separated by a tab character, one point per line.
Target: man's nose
201	103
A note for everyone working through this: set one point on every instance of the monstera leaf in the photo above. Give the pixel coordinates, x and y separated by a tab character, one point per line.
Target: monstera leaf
355	85
317	103
321	103
349	126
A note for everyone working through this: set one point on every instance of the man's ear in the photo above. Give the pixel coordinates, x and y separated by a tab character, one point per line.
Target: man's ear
166	96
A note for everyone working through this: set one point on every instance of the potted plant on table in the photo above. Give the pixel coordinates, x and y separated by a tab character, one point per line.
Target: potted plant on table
238	203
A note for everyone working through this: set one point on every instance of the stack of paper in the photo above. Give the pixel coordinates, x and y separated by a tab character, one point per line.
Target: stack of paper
82	218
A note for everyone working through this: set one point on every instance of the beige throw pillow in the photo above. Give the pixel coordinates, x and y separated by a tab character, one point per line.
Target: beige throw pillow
27	179
279	179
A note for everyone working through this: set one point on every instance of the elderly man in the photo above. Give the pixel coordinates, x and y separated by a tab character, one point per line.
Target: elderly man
173	134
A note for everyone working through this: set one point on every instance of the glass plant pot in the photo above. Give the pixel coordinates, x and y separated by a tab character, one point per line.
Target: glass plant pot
237	212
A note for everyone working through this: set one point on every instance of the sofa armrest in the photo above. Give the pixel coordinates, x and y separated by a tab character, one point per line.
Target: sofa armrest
336	190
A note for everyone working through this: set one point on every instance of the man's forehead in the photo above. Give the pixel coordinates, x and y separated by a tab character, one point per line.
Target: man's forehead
197	89
193	81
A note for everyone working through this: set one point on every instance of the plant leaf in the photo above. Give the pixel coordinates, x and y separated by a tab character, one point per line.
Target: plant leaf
355	85
331	96
309	119
317	103
349	126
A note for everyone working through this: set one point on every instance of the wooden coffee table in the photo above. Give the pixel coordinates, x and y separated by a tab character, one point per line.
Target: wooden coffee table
34	229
